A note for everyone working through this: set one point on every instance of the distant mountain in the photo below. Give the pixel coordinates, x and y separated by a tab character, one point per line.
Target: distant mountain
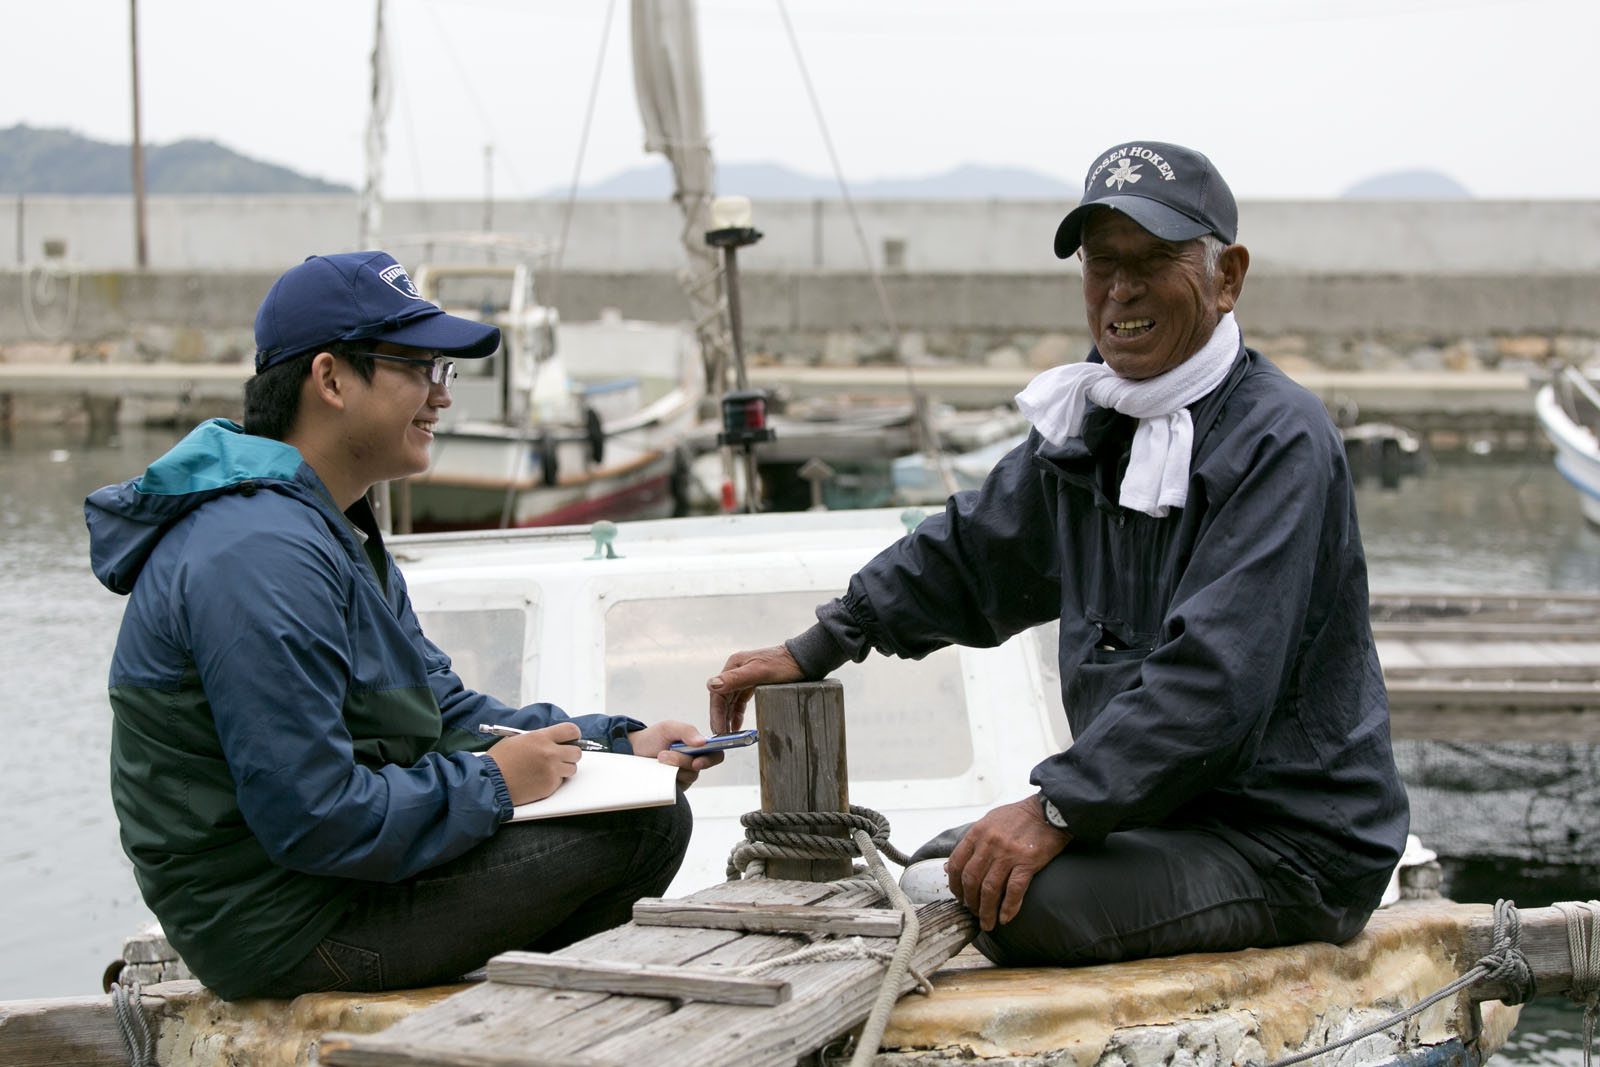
1408	185
60	162
772	181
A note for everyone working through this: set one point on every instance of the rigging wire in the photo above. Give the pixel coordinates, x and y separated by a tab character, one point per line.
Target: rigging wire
583	146
443	36
923	418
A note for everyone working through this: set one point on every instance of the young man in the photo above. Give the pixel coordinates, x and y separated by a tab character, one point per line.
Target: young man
296	770
1185	511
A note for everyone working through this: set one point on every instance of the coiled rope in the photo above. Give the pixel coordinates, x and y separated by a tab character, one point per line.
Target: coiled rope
778	835
1504	962
128	1006
795	835
1583	939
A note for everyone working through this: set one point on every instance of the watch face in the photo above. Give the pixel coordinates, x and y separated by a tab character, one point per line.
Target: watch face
1052	814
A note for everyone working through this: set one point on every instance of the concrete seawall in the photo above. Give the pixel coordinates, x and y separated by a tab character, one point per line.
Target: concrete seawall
90	307
1335	287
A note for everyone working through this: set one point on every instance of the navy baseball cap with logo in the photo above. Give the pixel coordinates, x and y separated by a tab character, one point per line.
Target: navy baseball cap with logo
1171	191
359	296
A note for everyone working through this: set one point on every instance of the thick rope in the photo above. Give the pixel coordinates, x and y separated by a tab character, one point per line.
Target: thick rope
889	989
137	1040
847	948
1583	939
777	835
1505	962
792	835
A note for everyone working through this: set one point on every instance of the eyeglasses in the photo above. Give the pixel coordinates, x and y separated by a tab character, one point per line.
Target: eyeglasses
441	371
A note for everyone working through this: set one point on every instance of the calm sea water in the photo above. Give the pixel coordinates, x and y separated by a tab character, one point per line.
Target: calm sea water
1481	524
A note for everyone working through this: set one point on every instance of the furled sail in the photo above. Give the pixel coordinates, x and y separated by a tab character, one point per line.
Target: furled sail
666	78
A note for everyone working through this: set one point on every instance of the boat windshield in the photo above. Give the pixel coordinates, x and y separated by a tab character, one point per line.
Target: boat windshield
903	719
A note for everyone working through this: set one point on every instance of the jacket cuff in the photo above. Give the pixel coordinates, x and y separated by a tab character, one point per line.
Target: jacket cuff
502	795
617	735
816	652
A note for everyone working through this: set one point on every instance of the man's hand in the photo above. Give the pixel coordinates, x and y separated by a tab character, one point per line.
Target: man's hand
656	741
535	763
731	689
992	866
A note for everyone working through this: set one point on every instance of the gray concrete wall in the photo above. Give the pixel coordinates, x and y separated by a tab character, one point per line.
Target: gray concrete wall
101	305
1469	237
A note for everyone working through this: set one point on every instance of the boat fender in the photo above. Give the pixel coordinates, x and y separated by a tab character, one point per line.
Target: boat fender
549	470
596	434
679	483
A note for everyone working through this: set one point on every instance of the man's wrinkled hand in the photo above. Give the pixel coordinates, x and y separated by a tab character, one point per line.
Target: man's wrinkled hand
991	868
731	689
657	741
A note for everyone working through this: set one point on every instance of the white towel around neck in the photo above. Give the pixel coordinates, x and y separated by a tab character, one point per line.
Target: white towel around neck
1157	478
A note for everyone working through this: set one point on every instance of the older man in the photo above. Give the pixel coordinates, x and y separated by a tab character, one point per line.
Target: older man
1185	511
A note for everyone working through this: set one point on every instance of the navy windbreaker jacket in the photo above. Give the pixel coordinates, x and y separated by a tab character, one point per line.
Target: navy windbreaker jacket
1217	664
283	730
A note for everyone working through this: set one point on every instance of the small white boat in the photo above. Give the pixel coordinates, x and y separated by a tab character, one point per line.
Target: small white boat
566	423
1568	409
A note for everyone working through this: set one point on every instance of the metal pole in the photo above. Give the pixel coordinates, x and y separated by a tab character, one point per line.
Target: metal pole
140	254
752	483
731	258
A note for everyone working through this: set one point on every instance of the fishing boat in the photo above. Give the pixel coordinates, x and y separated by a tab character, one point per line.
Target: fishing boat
631	618
564	423
1568	409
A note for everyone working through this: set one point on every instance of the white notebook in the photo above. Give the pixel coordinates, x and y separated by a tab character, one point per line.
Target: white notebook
606	781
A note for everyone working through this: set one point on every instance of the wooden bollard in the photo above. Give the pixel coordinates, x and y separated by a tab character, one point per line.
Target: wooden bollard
803	764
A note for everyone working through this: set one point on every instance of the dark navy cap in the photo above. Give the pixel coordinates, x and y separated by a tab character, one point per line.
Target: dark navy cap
359	296
1171	191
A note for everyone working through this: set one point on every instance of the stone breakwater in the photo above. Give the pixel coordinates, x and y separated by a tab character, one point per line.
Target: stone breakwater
1436	325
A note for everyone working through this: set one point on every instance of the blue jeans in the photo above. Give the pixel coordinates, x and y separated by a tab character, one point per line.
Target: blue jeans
533	885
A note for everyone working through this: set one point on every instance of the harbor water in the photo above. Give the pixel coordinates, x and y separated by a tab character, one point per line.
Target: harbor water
1479	523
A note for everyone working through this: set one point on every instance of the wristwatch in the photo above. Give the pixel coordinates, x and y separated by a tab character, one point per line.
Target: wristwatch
1052	813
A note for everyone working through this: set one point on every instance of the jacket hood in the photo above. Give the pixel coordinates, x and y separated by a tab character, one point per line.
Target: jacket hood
127	520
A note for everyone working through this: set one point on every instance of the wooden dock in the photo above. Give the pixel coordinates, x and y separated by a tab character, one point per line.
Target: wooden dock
1491	667
204	388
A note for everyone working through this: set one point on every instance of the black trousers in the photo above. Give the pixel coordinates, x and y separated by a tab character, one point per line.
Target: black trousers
535	885
1159	892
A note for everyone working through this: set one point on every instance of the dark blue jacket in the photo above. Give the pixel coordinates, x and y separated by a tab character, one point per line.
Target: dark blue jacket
283	730
1217	664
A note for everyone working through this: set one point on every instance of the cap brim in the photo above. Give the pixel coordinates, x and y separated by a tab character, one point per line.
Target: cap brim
1166	223
446	334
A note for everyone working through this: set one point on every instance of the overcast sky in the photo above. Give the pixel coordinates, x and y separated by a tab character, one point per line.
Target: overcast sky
1291	98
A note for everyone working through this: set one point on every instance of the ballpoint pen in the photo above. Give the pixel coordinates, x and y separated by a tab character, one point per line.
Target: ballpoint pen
588	745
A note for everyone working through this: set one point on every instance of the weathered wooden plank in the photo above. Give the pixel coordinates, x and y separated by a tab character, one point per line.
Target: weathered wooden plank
61	1032
866	922
1393	654
1489	649
1479	672
803	763
639	979
828	1000
1479	630
1435	722
543	1026
1544	944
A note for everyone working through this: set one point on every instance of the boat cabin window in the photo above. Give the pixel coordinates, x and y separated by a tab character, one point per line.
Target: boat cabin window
485	647
903	719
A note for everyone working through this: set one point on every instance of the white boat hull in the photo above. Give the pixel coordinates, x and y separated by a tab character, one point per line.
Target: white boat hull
484	476
1577	451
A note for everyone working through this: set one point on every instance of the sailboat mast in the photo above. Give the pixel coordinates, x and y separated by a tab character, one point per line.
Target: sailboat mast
140	245
376	138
